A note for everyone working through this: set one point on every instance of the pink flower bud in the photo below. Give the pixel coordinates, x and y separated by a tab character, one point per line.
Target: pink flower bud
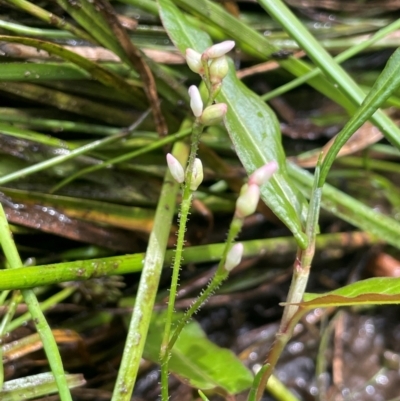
214	114
234	256
219	68
219	49
175	168
197	175
247	201
263	174
196	103
193	60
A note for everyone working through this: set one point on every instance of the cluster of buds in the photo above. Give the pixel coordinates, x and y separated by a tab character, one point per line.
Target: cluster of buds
213	67
178	172
247	201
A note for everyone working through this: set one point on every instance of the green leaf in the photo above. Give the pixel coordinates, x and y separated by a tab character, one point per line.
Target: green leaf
252	126
254	131
379	290
387	82
199	361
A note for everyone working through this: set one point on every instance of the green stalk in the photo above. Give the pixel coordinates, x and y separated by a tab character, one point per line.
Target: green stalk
220	275
35	276
301	272
148	285
12	307
26	30
183	217
43	329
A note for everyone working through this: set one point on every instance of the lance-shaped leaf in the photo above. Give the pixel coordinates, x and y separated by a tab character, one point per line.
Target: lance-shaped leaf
252	126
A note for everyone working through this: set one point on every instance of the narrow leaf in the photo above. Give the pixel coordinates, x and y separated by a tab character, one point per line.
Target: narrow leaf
387	82
378	290
26	388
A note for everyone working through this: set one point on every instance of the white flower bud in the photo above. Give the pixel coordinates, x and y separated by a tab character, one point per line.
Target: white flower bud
175	168
197	175
193	60
247	201
263	174
214	114
196	103
219	68
234	256
219	49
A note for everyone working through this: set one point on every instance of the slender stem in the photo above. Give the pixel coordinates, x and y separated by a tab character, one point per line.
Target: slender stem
220	275
292	310
183	218
12	307
35	276
43	329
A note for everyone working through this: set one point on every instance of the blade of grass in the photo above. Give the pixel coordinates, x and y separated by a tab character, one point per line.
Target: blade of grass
98	72
43	329
63	101
45	305
387	82
50	18
17	116
35	386
127	156
27	30
73	153
148	285
278	10
339	59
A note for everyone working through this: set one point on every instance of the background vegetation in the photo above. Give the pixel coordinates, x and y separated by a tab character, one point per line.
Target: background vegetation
93	94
